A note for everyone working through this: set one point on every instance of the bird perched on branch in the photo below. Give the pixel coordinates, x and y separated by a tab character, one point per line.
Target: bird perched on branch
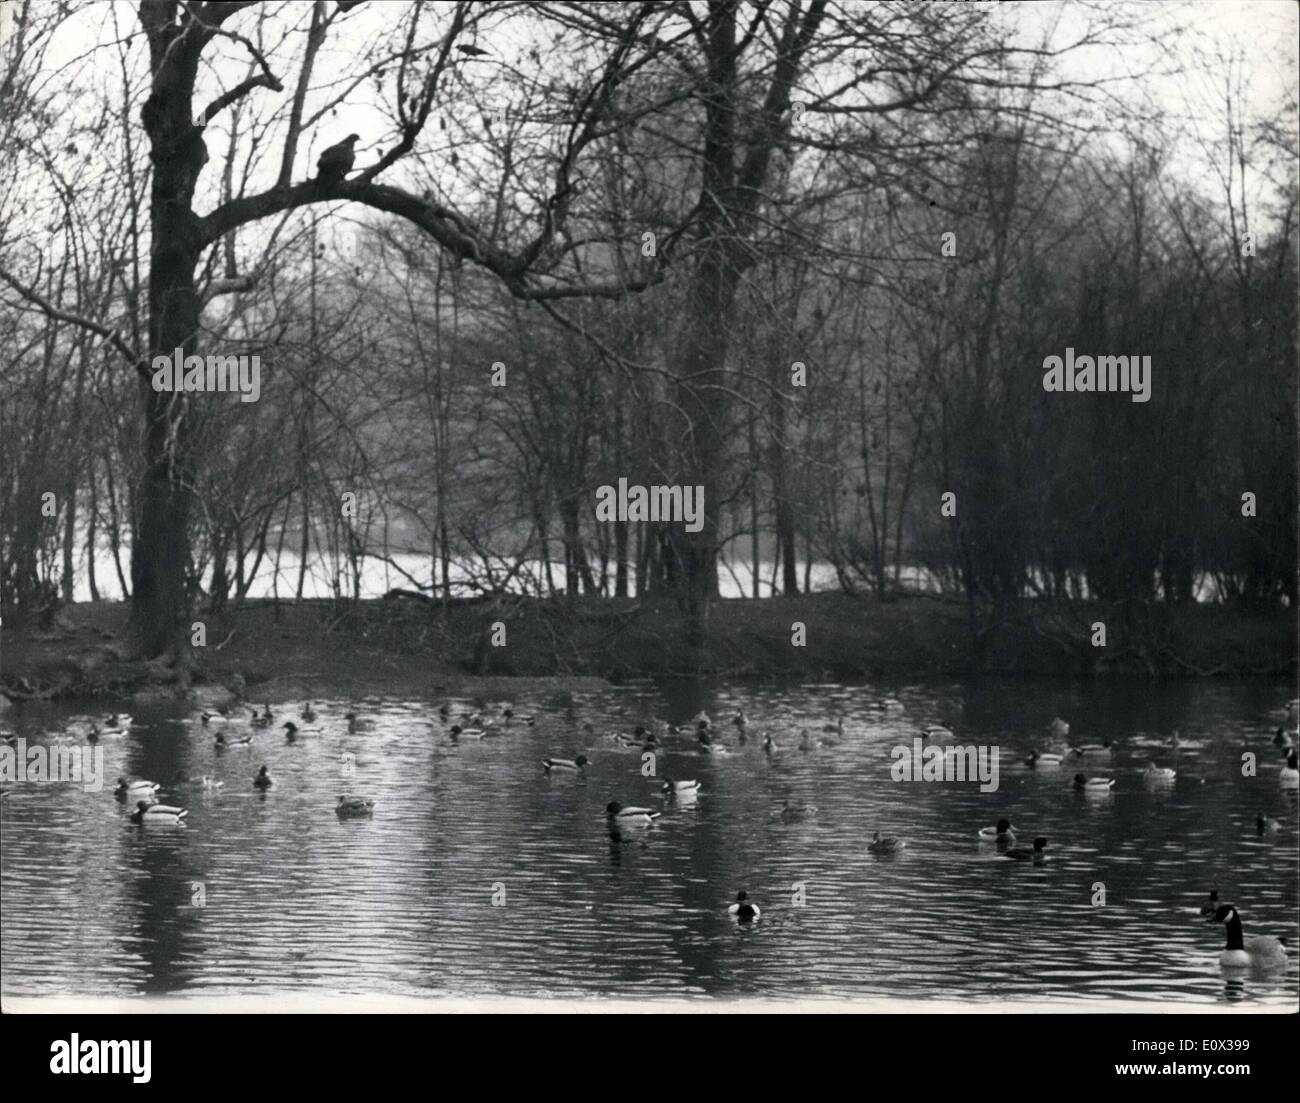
336	162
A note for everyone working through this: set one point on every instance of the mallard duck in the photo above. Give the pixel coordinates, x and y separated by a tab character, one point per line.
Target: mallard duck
92	736
834	729
118	722
1024	853
263	721
630	817
1093	784
739	721
291	731
161	814
935	732
1289	777
221	742
769	745
458	733
263	780
1258	951
212	718
1092	750
1283	738
1003	832
889	844
356	723
579	763
308	713
681	788
353	807
1267	825
1211	904
137	789
1041	759
1159	773
791	813
742	910
887	704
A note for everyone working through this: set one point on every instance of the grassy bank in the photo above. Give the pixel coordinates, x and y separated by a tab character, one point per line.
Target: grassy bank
410	647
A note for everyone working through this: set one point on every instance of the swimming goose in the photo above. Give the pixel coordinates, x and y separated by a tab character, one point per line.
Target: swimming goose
630	817
263	779
579	763
681	788
137	789
1289	778
222	742
890	844
1267	825
1003	832
1211	904
161	814
742	910
352	807
1024	854
1093	784
1159	773
1041	759
1259	951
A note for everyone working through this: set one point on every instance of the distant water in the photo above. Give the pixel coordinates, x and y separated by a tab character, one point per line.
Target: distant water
296	900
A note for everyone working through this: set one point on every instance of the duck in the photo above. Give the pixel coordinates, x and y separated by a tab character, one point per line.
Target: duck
1211	904
1159	773
292	731
221	742
92	736
630	817
769	745
1024	853
263	780
1002	832
936	731
353	807
115	722
739	721
308	713
458	733
834	729
742	910
1258	951
138	789
158	814
1093	784
578	764
1266	825
210	782
263	721
887	704
1059	728
791	813
212	718
1040	759
356	724
1289	777
347	758
1283	738
681	788
1092	750
889	844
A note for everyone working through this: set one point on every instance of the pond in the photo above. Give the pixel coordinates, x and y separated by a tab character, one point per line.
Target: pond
479	874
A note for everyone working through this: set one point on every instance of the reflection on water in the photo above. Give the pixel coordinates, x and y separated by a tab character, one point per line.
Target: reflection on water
478	874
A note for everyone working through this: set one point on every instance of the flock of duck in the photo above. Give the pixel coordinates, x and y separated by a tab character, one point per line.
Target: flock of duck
704	737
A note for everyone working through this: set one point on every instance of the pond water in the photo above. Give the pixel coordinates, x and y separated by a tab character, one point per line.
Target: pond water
480	875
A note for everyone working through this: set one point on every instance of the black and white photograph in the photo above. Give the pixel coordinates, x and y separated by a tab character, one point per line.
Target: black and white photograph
682	506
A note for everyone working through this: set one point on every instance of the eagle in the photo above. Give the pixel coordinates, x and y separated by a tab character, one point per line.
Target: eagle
336	162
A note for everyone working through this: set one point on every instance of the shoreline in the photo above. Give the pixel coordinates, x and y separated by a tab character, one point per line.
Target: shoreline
321	648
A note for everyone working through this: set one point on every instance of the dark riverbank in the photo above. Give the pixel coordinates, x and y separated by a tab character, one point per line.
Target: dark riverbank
405	646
